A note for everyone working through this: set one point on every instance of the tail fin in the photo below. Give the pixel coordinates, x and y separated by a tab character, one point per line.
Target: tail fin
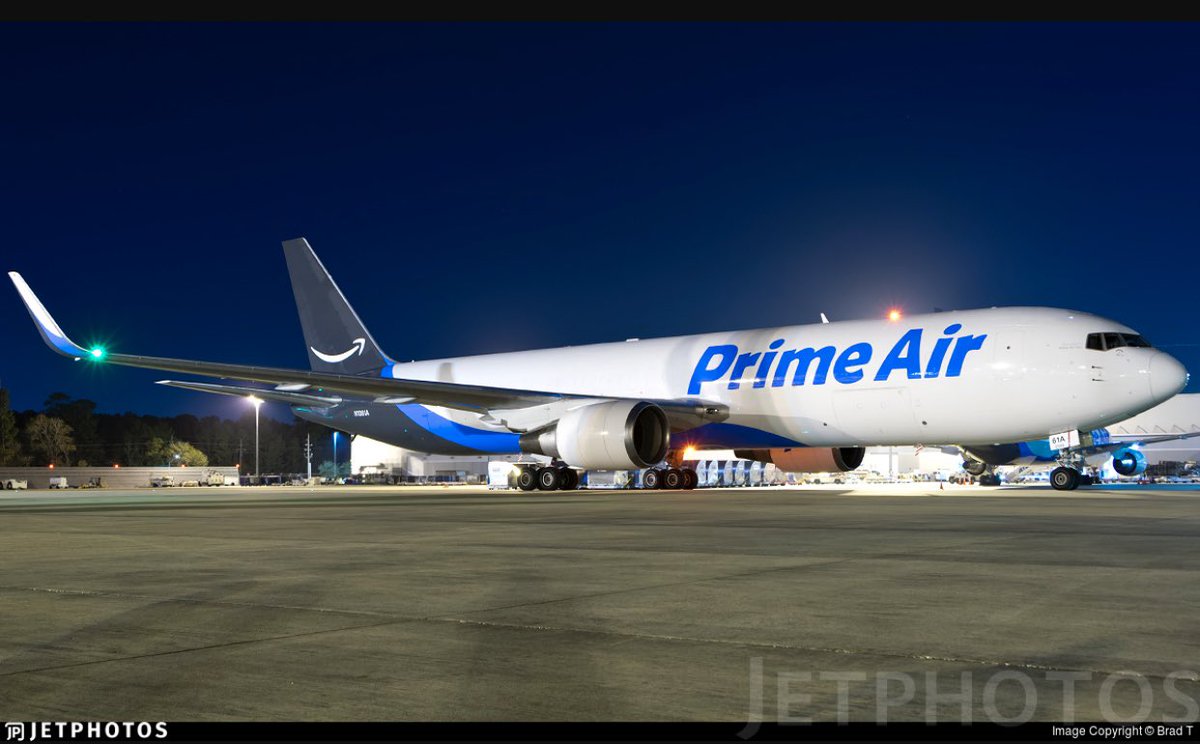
337	340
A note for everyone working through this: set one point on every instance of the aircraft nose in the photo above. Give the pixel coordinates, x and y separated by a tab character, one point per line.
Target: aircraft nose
1167	376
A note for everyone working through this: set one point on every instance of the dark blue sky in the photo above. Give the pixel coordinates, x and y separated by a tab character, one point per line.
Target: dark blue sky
480	188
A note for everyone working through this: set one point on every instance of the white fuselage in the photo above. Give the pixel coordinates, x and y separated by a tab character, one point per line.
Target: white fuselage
965	377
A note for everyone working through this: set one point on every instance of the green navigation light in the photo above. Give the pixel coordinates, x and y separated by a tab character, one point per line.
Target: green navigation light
97	353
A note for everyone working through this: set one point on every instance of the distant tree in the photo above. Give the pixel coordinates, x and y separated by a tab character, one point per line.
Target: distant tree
174	452
80	415
189	455
51	437
157	452
327	472
10	444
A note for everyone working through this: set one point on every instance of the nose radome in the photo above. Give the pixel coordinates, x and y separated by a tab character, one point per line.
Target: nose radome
1167	376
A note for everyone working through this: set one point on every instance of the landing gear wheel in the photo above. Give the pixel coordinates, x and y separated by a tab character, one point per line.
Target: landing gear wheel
1064	479
527	479
974	467
989	479
568	479
690	479
548	479
672	479
652	479
1087	480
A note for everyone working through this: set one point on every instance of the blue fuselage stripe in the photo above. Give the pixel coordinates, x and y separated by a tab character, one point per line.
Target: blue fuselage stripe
497	442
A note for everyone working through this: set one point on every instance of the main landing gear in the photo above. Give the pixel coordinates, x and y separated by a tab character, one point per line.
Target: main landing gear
670	478
546	478
982	471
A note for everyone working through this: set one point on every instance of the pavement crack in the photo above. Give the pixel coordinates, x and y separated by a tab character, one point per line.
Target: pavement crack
192	649
944	658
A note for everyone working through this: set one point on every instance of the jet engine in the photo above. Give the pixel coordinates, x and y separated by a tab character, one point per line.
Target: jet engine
808	459
616	435
1129	462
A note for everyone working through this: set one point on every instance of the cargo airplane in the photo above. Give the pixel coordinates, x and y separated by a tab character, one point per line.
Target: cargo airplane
806	397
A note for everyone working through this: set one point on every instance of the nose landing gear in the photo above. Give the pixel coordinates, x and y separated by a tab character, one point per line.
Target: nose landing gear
1064	478
1071	473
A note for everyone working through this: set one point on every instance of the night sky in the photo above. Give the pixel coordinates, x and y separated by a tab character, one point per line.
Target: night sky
482	188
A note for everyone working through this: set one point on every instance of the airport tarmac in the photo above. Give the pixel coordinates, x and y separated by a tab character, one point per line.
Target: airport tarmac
360	603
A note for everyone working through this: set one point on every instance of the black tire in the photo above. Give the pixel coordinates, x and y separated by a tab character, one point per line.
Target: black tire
1086	480
690	479
568	479
549	479
652	479
527	479
974	467
1064	479
672	479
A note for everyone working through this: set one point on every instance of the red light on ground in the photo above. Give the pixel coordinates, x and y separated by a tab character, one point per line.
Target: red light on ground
894	315
115	465
52	466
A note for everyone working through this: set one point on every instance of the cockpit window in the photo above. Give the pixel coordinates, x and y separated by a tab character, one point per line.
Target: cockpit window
1110	341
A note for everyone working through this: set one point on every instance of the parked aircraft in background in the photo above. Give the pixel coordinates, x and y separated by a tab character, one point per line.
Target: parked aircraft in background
808	398
1119	445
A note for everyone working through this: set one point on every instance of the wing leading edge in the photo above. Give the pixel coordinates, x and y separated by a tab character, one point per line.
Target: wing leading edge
475	398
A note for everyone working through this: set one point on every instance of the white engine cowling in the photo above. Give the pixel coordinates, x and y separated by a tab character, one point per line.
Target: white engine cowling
808	459
616	435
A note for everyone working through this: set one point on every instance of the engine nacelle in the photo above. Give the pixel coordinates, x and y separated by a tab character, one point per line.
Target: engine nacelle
617	435
1129	462
808	459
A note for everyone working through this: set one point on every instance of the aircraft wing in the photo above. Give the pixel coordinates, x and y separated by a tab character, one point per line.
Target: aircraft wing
475	398
1115	446
291	397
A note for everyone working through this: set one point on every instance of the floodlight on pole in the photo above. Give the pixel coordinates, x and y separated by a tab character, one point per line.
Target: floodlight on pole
257	401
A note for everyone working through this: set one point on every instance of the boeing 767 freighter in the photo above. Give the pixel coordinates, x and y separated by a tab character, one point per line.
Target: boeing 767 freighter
808	397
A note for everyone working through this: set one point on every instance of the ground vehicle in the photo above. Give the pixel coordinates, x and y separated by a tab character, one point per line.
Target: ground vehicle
58	481
12	484
213	479
162	481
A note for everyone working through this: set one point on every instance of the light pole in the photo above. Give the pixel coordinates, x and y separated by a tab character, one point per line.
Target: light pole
335	470
257	405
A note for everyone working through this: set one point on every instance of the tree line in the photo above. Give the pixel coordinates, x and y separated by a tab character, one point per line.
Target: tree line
69	431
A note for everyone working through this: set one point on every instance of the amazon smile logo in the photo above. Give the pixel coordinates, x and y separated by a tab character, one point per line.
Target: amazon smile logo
357	347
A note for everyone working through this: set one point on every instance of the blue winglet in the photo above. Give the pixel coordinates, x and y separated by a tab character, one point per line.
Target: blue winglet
51	333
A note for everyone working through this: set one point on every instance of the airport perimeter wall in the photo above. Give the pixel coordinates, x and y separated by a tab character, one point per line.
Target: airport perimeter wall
112	477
